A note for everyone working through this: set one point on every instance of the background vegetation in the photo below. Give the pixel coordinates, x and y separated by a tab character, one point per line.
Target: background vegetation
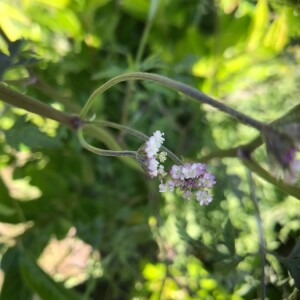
75	225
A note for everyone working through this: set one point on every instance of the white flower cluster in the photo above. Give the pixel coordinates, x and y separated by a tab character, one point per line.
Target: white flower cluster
192	179
154	157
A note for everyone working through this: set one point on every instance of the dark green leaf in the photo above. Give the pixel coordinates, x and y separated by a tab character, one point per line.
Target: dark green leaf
41	283
13	286
15	47
292	263
29	135
229	237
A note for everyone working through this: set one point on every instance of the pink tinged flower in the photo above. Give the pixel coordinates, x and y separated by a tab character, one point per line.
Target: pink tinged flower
151	148
203	197
176	172
189	171
166	187
153	167
207	181
201	169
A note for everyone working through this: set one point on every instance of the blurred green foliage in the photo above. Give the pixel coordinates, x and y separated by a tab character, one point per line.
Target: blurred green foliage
149	245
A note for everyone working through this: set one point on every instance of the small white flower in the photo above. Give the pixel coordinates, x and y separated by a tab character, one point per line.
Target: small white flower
189	170
166	187
161	171
203	197
159	137
154	143
162	156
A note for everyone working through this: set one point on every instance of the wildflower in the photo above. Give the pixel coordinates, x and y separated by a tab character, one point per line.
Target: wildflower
153	157
192	179
154	143
203	197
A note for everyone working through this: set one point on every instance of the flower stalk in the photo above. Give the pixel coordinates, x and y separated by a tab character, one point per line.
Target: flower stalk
177	86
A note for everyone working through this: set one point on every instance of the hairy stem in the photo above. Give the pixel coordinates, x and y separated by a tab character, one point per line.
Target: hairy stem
135	133
101	151
175	85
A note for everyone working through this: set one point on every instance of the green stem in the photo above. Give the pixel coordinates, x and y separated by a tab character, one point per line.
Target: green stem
256	168
233	152
101	151
151	14
133	132
30	104
262	243
102	135
175	85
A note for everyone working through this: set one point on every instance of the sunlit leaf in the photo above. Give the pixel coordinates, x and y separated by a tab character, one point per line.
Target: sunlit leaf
229	237
277	35
259	24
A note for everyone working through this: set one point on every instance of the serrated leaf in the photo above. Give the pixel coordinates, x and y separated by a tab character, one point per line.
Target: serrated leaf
41	283
28	134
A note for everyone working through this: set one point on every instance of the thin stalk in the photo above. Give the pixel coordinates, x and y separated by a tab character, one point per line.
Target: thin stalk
175	85
30	104
143	41
246	149
140	52
135	133
262	243
252	165
101	151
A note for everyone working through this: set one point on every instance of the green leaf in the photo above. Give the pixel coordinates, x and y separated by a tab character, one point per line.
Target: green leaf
292	263
7	209
259	24
229	236
29	135
13	287
41	283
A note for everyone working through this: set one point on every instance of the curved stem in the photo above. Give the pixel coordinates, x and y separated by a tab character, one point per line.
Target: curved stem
101	151
175	85
137	134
